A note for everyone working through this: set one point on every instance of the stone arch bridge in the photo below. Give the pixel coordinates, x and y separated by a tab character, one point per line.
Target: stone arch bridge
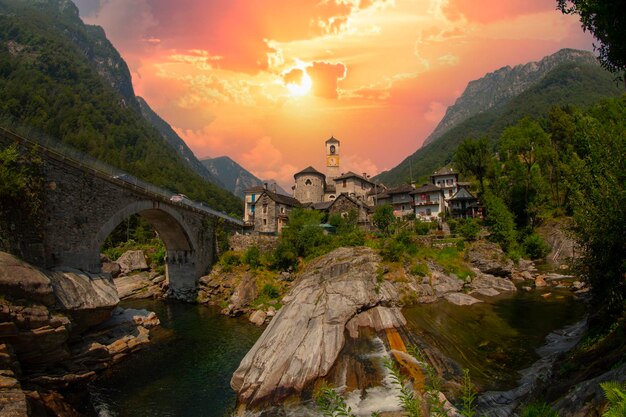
84	200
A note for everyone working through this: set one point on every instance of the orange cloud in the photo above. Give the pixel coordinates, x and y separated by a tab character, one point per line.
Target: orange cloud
325	76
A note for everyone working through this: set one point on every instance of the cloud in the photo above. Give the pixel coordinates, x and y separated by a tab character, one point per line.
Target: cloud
492	10
293	76
325	77
265	161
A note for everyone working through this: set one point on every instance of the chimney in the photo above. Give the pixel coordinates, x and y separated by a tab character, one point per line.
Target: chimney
274	187
265	186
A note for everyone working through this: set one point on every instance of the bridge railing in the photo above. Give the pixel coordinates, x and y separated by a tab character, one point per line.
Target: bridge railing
62	151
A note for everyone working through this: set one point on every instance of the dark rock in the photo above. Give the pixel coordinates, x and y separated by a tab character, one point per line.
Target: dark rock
20	280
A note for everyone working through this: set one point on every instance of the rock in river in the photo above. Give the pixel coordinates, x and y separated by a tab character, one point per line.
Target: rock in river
305	337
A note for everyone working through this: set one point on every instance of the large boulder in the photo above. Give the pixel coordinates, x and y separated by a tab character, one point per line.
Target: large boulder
244	294
303	340
87	298
22	281
132	260
490	282
489	258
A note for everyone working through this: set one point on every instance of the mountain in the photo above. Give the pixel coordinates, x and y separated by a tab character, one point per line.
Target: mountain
236	178
573	78
65	80
500	86
178	144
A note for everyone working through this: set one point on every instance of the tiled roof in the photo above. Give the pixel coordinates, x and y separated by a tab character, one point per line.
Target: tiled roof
462	194
426	188
332	140
309	170
282	199
324	205
401	189
351	174
444	171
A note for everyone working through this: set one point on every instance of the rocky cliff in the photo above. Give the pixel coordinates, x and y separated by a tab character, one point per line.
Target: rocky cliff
497	87
57	329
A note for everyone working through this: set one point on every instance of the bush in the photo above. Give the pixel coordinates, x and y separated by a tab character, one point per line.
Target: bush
422	228
535	247
469	229
453	225
500	221
229	259
252	257
270	291
392	250
538	410
285	257
420	269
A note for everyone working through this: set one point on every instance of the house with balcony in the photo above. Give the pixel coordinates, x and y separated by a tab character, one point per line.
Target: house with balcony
428	202
464	205
447	179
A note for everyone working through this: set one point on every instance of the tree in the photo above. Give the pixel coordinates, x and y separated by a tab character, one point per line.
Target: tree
472	157
606	20
500	221
383	218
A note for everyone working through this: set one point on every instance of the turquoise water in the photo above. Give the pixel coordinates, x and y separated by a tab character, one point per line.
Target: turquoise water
186	371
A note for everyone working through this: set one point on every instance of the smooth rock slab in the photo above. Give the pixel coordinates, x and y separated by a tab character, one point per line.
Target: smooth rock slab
305	337
461	299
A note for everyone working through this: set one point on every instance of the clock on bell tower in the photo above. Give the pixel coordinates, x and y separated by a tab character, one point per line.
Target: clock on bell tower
332	158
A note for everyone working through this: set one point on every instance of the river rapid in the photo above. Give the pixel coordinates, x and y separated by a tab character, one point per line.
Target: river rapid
187	369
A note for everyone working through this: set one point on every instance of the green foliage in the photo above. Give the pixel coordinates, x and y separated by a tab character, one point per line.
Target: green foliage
409	401
604	19
468	396
615	394
154	250
270	291
252	257
500	221
473	157
392	250
535	247
285	257
50	83
469	229
383	218
331	404
420	269
21	185
229	259
538	410
422	228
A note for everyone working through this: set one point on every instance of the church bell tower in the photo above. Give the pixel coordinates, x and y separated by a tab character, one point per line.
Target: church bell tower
332	159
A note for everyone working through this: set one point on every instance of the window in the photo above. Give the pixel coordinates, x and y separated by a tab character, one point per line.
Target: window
253	197
282	210
450	193
428	212
345	183
264	222
308	182
264	208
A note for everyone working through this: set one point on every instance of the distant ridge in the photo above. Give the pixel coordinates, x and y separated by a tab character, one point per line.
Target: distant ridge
500	86
236	178
574	78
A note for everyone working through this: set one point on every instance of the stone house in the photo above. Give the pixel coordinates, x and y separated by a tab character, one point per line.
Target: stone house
354	185
271	212
464	205
249	199
399	198
310	186
343	204
428	202
447	179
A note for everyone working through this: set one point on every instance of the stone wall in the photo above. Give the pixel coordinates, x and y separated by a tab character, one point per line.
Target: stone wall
344	205
265	243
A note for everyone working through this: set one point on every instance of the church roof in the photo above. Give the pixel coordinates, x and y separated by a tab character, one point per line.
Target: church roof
308	170
332	140
444	171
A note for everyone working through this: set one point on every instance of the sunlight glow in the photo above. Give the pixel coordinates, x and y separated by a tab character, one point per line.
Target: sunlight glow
302	88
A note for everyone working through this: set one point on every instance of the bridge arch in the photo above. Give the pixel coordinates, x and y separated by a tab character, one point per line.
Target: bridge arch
170	225
181	268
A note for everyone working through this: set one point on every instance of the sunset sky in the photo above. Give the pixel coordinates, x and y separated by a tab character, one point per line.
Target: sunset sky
266	82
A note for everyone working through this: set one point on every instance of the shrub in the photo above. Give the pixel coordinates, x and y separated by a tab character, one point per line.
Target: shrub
535	247
229	259
285	257
420	269
252	257
453	225
422	228
392	250
538	410
270	291
469	229
500	221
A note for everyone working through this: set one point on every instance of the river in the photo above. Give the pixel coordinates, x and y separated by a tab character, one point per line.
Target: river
187	369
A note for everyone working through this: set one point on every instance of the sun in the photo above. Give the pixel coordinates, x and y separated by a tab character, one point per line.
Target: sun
301	87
